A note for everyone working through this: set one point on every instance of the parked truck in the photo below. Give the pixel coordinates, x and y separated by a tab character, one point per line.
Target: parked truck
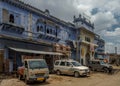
100	65
33	70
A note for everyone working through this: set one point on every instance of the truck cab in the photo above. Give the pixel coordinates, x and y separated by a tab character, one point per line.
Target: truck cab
34	70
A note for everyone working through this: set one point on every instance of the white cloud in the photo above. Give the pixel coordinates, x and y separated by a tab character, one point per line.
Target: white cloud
113	33
104	20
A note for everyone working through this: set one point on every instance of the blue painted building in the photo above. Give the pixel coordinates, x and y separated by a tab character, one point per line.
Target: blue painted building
100	50
27	32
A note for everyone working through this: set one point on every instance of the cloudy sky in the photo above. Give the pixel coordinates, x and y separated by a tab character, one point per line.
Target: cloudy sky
104	13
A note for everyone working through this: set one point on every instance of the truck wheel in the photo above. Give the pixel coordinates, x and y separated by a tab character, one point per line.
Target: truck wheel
19	77
26	81
58	72
106	70
44	80
76	74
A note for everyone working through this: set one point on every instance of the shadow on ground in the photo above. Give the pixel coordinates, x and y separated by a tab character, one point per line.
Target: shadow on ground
38	83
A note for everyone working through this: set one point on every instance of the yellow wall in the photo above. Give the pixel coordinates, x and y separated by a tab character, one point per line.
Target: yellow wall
87	34
86	47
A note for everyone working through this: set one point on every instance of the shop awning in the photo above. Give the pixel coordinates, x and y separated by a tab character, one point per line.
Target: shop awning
34	51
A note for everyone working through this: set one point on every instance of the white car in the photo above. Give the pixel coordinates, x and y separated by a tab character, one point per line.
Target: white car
70	67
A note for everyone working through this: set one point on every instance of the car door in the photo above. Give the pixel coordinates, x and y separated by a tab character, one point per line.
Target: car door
69	68
62	67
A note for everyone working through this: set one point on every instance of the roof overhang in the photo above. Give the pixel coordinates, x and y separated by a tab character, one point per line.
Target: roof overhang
88	43
34	51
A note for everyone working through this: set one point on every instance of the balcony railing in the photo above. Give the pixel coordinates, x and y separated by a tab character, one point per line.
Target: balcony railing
88	43
85	26
10	30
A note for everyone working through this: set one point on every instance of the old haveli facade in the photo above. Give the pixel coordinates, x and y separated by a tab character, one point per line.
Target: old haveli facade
27	32
86	37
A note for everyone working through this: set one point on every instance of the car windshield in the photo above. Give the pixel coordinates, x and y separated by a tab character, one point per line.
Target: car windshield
76	63
37	64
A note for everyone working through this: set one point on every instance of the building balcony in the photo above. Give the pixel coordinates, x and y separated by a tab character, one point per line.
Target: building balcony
85	26
100	49
16	31
45	36
11	29
88	43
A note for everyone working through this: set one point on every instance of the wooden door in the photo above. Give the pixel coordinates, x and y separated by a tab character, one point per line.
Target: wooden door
5	15
1	61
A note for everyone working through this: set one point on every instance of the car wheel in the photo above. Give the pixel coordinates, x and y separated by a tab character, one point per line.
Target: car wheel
44	80
58	72
76	74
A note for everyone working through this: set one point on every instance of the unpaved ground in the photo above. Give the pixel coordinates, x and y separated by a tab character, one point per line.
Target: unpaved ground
95	79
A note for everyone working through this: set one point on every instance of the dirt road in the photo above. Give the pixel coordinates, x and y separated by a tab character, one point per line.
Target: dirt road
95	79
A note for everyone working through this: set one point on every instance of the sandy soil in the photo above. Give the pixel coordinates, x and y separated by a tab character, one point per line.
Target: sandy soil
95	79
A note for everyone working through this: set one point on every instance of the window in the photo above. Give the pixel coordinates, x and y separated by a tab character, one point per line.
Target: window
48	30
56	63
87	39
38	28
11	18
41	28
68	64
26	64
62	64
37	64
55	32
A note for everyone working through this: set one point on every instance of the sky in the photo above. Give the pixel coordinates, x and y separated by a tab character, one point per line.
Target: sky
104	13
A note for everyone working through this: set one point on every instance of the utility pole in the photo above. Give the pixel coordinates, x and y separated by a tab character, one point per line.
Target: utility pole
116	50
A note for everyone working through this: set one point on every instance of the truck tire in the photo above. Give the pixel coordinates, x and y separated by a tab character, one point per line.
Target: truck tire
26	81
44	80
106	70
19	77
76	74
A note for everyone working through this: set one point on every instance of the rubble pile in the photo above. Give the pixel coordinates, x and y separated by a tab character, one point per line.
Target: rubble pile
55	78
12	82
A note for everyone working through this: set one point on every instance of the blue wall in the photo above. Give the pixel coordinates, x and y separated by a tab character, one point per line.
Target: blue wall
64	32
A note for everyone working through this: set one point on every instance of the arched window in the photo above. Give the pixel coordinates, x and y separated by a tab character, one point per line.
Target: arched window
38	28
11	18
41	28
48	30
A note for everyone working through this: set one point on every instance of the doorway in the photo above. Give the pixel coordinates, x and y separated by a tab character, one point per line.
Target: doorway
1	62
87	59
49	61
